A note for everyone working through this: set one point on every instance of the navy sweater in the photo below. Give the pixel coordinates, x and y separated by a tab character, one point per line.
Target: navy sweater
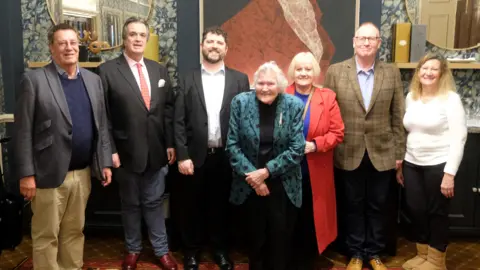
82	119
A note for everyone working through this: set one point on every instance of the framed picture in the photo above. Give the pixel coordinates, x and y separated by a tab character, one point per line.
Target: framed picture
112	21
144	2
55	9
276	30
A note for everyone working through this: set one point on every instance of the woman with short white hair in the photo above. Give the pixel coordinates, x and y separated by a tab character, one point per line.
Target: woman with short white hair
266	145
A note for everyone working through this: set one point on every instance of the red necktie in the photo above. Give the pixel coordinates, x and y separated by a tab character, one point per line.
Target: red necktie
143	86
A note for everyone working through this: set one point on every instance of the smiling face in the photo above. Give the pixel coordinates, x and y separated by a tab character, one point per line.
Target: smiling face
64	48
136	39
430	73
303	73
266	87
214	48
366	41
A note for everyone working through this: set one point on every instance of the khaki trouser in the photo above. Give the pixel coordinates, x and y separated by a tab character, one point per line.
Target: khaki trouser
58	221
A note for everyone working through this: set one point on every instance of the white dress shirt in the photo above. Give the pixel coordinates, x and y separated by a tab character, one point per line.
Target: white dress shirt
437	131
213	87
133	66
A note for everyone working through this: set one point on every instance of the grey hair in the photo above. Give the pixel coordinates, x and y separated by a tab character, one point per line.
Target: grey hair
282	82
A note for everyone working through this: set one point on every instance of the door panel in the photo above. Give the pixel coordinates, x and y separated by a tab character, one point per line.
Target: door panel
440	17
462	206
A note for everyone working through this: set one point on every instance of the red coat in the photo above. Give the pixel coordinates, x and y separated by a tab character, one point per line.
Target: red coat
326	129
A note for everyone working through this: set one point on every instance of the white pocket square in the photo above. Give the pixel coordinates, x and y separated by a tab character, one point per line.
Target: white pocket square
161	83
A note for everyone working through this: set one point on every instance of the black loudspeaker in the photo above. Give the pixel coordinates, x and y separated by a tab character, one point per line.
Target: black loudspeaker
83	53
11	205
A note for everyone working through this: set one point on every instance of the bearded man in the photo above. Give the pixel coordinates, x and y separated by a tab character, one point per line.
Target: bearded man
202	113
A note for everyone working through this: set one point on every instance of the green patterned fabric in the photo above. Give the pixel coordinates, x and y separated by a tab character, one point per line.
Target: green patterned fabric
288	147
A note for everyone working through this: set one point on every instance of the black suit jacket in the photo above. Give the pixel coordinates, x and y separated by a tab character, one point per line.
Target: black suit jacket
42	137
139	136
191	119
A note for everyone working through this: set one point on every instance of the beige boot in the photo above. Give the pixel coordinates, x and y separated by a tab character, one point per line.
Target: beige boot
435	260
422	250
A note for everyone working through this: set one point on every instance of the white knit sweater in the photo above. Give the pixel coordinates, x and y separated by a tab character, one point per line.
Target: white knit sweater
437	131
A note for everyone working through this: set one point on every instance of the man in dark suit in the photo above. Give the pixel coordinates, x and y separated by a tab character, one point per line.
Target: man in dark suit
60	138
139	101
202	112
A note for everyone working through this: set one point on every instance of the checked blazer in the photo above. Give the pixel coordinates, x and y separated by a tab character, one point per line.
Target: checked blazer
377	129
243	143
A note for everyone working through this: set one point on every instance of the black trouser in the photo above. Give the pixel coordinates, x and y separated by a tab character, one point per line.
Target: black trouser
204	218
364	193
304	238
270	223
426	205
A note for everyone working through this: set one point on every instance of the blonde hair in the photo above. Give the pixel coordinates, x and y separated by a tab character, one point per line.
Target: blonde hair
282	82
446	83
307	56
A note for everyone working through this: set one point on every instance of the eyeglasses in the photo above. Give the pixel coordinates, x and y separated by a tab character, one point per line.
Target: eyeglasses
64	43
370	39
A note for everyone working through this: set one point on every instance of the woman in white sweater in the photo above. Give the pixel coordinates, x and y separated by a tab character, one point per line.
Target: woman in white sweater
435	122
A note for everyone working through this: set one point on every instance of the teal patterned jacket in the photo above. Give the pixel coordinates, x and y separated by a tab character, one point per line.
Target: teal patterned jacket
288	147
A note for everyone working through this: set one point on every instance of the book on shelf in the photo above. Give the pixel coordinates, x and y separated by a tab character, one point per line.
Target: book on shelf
401	42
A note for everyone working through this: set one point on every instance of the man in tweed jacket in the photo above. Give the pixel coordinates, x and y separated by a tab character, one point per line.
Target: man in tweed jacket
370	96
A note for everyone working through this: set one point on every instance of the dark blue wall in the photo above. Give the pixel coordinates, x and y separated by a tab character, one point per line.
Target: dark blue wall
188	46
371	11
11	49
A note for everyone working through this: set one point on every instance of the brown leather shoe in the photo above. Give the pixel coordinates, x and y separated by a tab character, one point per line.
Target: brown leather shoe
355	264
167	262
377	264
130	261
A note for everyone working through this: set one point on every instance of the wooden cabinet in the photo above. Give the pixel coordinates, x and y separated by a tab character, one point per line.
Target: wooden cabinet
104	204
465	205
103	208
462	206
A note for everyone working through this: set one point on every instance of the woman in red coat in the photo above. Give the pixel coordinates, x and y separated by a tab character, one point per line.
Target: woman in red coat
323	130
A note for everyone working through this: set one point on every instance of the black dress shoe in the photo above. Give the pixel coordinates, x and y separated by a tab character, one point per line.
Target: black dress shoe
222	260
190	262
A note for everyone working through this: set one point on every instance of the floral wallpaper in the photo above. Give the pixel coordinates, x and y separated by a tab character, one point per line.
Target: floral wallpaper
36	22
126	5
412	10
468	81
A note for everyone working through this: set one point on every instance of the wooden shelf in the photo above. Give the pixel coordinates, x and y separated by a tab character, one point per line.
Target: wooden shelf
82	64
6	118
451	65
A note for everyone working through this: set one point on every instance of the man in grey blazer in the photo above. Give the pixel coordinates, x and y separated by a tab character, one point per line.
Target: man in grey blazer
60	139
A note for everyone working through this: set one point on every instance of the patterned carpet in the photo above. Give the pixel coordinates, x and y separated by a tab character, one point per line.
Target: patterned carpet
463	254
110	265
